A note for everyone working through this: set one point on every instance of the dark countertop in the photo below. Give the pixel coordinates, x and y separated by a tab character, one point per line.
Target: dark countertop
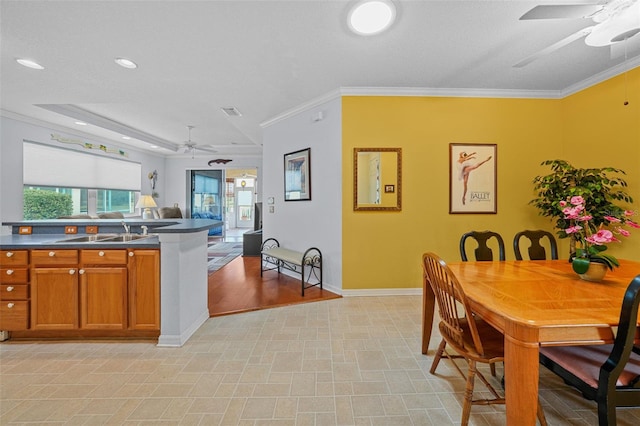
53	241
48	233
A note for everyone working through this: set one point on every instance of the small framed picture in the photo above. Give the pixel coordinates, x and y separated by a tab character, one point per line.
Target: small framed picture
389	189
472	178
297	175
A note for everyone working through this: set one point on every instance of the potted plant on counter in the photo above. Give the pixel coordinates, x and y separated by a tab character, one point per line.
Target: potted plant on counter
598	189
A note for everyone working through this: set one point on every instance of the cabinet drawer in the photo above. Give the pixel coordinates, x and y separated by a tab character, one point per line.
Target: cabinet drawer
53	257
14	257
14	292
14	315
14	275
103	257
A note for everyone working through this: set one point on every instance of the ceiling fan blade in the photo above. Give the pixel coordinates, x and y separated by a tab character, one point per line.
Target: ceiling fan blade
555	46
625	47
561	11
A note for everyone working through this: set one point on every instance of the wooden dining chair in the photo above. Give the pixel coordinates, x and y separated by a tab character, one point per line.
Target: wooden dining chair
483	252
607	374
470	337
536	250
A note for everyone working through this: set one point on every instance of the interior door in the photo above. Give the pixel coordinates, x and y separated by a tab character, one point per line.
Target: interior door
244	202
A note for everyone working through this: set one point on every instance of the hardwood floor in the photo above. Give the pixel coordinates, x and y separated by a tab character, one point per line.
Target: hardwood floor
238	287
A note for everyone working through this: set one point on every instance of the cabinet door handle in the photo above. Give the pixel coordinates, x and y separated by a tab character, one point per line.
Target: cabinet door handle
9	253
10	288
101	253
9	271
52	253
72	271
10	305
130	254
81	271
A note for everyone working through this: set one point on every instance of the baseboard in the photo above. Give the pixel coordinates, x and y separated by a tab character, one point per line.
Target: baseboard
382	292
175	340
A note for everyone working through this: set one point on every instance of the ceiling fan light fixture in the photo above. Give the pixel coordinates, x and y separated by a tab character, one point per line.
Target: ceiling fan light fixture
625	35
623	24
370	17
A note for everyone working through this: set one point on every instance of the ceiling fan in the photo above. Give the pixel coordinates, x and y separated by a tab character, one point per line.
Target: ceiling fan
616	23
191	146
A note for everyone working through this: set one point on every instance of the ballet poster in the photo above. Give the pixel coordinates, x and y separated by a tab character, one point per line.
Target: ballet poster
472	178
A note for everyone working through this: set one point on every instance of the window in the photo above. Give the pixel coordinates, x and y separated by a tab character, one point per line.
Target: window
39	203
62	182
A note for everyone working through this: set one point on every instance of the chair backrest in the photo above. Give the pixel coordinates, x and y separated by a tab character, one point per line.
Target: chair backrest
482	252
170	213
605	373
624	342
536	250
453	307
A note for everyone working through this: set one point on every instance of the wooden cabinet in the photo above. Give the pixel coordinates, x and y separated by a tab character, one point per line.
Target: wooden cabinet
103	289
80	293
54	285
144	289
14	290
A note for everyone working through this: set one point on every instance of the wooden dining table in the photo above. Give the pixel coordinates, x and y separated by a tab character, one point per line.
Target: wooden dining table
536	303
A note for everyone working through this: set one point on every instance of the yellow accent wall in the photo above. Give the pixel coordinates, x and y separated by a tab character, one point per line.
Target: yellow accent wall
589	129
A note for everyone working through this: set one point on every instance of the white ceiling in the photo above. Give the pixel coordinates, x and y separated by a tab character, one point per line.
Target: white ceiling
267	57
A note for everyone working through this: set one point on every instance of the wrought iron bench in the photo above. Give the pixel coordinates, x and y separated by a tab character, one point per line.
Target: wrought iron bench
307	264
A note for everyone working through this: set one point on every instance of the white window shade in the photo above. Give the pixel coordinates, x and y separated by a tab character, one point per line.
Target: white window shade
64	168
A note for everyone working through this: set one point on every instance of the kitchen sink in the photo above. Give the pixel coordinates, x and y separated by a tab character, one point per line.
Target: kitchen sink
123	238
104	238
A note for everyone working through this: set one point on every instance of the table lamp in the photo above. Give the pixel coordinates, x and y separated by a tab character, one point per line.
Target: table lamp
145	203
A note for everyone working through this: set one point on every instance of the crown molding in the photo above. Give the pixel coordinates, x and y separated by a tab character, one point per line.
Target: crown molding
449	93
600	77
456	93
334	94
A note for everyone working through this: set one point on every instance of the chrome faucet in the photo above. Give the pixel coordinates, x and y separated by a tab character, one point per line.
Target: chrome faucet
145	229
127	229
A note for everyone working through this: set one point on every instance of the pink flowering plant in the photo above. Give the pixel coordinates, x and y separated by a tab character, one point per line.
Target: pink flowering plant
591	239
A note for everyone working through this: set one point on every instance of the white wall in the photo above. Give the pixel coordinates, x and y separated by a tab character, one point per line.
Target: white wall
14	131
299	225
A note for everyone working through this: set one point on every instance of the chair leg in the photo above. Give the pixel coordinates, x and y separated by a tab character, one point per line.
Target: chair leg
438	356
492	367
541	418
606	412
468	394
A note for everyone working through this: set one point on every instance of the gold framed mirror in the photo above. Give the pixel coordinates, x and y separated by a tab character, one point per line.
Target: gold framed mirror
377	179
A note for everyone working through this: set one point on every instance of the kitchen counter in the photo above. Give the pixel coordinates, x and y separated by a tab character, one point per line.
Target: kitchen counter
183	261
34	241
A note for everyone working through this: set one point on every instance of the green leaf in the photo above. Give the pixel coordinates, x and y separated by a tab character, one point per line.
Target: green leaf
580	265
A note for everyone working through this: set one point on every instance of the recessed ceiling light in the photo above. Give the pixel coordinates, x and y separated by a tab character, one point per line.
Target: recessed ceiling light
81	123
127	63
369	17
153	146
126	138
29	64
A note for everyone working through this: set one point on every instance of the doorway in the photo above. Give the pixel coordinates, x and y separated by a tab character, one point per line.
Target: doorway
230	195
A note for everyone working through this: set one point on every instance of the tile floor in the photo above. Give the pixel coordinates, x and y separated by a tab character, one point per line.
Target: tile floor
349	361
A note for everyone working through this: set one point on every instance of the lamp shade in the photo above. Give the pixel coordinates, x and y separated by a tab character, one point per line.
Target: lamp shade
146	201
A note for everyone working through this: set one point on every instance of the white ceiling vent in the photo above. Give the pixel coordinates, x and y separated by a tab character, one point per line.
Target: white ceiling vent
231	111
